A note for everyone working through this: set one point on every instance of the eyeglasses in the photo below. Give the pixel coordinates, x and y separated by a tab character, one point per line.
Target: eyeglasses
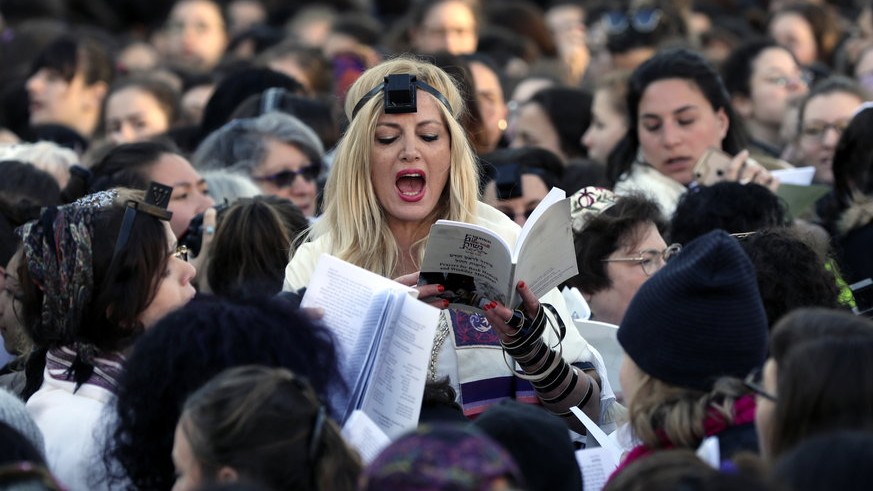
287	177
816	130
753	383
181	252
802	80
642	20
651	260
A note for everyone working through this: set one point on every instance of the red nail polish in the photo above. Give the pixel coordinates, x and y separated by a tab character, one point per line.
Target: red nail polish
521	284
487	307
445	303
441	288
493	304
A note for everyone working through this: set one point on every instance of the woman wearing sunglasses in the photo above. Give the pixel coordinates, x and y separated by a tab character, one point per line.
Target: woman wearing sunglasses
277	151
678	108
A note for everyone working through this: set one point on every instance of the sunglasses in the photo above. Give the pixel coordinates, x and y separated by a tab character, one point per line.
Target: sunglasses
643	20
287	177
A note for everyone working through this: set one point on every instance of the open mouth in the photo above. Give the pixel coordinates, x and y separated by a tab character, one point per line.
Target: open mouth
677	161
410	184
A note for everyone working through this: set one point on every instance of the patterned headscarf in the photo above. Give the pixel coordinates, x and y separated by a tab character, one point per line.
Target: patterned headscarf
59	258
441	458
587	203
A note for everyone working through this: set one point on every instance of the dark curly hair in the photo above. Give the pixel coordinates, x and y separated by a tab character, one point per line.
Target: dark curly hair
729	206
618	226
791	274
186	349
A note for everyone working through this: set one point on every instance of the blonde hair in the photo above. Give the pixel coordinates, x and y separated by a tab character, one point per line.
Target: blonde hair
353	216
662	411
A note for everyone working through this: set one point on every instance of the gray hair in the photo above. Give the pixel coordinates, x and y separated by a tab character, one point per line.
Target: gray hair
240	145
230	186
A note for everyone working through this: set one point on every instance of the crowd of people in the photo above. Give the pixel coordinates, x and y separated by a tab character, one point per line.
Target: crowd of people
171	171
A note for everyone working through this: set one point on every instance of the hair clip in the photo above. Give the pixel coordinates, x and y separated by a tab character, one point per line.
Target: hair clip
157	199
399	97
271	99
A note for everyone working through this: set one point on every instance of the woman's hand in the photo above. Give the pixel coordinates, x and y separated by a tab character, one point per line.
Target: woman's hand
426	293
744	170
498	314
201	262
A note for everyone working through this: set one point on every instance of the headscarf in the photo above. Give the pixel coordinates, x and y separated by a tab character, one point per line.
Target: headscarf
59	257
441	458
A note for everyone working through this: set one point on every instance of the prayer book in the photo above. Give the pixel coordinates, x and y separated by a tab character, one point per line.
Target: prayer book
477	266
384	336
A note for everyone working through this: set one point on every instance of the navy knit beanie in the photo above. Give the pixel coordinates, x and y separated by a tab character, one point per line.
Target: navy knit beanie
699	318
538	441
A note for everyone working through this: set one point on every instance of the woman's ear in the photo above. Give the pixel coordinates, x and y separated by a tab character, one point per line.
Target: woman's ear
723	121
742	105
227	474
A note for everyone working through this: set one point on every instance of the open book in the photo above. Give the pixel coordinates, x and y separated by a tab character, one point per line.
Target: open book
476	266
384	337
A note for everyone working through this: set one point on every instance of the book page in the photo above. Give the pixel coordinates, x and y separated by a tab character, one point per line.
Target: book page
362	434
383	310
603	336
599	437
555	194
546	255
709	451
396	388
348	295
596	465
472	263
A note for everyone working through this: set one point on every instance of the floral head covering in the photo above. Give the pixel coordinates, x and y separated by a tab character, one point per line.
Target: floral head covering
441	458
587	203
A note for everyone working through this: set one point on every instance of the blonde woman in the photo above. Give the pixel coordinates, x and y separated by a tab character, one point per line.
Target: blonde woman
394	175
